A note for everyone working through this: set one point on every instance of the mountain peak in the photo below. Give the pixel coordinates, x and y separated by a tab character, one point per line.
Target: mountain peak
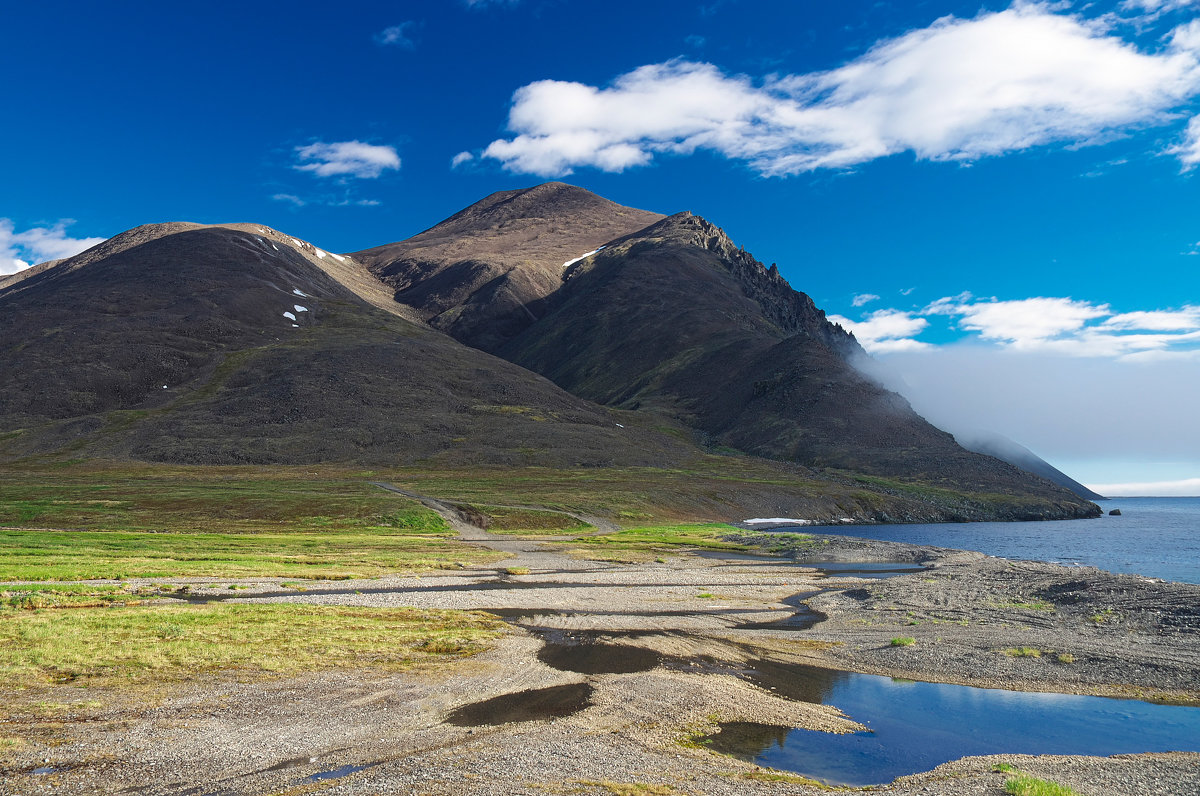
477	274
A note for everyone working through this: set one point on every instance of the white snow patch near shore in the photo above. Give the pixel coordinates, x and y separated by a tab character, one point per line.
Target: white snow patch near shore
299	243
569	263
299	308
300	292
289	315
775	521
337	257
320	254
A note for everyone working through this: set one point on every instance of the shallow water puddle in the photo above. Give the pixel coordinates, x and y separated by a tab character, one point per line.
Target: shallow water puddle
856	569
532	705
580	652
337	773
915	726
803	619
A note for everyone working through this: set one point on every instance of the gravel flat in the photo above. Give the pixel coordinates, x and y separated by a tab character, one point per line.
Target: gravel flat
702	620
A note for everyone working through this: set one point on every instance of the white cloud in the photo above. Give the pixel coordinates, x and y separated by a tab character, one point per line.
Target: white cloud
864	298
885	331
397	36
1186	487
1181	320
19	250
347	159
1156	7
291	199
1024	322
461	158
1061	326
1188	150
956	90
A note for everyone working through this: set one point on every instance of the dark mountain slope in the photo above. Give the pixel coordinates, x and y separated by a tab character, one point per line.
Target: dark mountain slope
1016	454
476	274
677	318
176	347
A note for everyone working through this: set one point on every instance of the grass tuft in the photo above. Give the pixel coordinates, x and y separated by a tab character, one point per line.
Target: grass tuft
1023	652
1025	785
903	641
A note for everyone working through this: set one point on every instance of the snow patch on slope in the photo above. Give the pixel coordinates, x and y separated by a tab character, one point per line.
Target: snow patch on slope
569	263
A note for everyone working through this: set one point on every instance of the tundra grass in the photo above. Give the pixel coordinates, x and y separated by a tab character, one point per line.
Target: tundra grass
110	521
114	555
187	500
507	520
641	543
155	643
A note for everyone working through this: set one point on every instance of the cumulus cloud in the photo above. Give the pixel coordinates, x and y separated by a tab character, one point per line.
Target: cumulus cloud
885	331
1024	322
1181	320
19	250
960	89
461	158
397	36
1062	326
864	298
346	159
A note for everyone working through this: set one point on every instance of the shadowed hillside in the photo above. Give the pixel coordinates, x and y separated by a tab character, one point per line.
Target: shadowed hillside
179	347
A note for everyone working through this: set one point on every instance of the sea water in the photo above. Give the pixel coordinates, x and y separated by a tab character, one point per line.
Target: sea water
1156	536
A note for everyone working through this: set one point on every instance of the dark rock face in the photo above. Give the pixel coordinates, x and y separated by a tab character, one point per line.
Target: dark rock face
1115	513
677	318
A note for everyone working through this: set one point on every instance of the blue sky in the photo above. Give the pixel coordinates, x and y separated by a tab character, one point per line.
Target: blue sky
1000	198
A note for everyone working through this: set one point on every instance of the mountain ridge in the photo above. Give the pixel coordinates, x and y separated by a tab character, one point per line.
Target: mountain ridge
237	343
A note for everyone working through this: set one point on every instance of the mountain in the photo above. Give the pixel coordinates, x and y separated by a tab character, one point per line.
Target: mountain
1016	454
544	327
239	344
480	274
674	317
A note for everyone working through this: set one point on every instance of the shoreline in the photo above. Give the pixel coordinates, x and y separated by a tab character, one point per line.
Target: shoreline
694	616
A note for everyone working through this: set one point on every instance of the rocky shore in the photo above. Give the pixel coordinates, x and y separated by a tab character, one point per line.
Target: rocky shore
612	673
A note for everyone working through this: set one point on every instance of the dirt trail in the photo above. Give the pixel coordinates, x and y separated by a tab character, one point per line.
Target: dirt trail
526	553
